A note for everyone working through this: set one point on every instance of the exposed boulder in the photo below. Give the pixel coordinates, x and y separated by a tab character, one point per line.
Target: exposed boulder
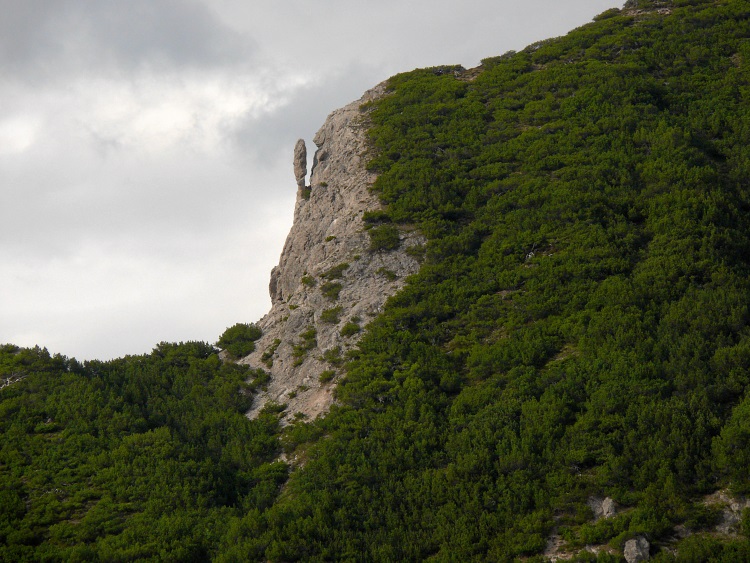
636	550
608	508
602	507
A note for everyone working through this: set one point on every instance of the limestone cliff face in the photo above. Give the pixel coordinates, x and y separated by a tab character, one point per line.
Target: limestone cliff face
327	280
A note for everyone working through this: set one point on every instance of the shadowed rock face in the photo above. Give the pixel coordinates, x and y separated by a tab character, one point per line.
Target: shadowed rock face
327	277
300	163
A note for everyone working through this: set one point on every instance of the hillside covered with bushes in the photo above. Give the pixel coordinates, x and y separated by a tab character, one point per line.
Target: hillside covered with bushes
578	329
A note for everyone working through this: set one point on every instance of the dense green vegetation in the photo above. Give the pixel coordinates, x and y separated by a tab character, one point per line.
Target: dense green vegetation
239	339
145	457
579	327
383	237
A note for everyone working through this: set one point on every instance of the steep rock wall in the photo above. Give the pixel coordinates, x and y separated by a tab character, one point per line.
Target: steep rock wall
328	246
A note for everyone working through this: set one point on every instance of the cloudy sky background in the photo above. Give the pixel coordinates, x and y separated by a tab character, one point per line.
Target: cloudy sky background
145	146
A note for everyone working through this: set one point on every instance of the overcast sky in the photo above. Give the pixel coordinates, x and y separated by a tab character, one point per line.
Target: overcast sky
146	146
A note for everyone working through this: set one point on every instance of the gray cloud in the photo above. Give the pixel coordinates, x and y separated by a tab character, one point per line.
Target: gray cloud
42	39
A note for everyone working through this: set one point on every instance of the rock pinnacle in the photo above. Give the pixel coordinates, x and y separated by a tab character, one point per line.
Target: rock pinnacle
300	163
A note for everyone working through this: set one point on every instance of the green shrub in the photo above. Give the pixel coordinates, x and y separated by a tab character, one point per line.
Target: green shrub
272	407
308	280
417	251
702	517
349	329
326	376
267	357
490	62
388	274
259	380
384	237
331	316
375	217
331	290
309	334
239	340
611	13
336	273
333	356
299	351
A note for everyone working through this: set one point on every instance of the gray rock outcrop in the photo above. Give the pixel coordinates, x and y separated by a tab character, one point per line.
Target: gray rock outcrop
328	284
300	163
636	550
602	507
731	513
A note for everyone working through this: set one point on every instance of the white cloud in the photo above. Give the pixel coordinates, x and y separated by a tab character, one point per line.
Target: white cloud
17	133
151	114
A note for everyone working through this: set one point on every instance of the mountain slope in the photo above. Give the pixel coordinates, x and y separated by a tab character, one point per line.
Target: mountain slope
565	376
579	326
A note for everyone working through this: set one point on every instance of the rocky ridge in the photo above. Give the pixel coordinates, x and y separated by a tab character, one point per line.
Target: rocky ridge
328	283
